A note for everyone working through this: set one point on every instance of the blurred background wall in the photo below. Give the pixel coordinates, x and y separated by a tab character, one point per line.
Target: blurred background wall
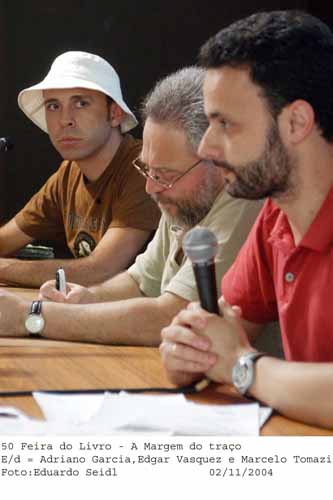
144	40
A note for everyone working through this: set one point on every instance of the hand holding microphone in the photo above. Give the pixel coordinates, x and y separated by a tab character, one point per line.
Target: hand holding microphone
194	357
200	245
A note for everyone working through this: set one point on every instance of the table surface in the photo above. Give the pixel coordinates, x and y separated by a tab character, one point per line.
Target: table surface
28	364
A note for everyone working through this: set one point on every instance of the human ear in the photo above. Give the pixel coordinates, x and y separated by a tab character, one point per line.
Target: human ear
300	120
116	114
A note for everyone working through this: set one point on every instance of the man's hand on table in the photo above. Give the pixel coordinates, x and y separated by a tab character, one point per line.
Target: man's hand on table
198	343
75	294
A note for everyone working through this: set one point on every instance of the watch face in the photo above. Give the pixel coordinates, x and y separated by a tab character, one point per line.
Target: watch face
241	376
34	323
241	373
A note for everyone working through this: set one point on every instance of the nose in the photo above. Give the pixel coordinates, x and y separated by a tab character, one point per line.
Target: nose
210	148
67	117
153	187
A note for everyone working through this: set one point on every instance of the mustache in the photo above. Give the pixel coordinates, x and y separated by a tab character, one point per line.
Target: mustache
160	198
224	165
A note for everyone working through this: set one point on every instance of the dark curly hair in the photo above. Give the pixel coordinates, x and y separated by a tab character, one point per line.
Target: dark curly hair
289	54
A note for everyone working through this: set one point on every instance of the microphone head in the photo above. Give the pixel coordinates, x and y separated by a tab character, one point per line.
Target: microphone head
6	144
200	245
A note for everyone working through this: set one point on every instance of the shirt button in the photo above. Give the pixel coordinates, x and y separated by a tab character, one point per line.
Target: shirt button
289	277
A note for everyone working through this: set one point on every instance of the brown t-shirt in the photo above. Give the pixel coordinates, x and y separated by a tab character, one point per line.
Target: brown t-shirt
69	207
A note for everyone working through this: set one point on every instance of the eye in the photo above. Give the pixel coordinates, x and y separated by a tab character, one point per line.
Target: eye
82	103
51	106
166	174
224	124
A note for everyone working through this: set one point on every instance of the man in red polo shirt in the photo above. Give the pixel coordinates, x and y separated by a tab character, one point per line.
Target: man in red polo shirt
269	102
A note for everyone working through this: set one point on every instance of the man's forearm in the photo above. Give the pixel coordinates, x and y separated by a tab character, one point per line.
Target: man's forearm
33	273
121	287
301	391
129	322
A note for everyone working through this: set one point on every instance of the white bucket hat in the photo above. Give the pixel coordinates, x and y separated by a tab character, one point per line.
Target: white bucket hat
70	70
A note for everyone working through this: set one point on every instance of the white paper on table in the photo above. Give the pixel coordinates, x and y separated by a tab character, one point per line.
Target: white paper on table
75	408
35	427
124	412
14	421
264	413
10	412
174	414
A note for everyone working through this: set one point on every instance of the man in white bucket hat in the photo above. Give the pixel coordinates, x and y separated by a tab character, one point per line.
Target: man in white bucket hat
96	200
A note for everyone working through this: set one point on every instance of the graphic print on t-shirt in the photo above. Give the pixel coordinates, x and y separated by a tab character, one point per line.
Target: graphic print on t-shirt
84	244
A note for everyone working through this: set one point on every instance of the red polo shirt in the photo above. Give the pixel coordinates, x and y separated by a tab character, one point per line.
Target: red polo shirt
272	279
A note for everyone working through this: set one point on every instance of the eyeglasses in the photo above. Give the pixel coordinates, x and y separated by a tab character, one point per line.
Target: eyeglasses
167	179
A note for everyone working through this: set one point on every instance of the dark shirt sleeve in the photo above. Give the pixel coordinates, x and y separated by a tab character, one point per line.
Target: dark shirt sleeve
41	218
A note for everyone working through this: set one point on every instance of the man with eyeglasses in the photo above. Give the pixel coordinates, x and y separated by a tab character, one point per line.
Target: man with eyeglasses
135	305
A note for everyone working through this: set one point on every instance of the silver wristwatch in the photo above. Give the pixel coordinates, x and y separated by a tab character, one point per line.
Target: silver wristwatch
35	321
243	371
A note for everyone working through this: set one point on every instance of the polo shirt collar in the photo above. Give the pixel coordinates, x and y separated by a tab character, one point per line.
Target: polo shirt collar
319	236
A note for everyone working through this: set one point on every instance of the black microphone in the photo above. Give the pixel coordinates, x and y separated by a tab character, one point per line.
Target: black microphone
6	144
200	246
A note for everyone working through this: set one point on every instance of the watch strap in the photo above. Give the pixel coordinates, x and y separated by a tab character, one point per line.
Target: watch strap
36	307
254	356
35	311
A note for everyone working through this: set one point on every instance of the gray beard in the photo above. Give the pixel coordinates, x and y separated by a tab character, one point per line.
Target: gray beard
191	212
186	217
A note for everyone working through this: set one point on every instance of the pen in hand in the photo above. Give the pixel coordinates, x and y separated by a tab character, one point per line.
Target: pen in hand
61	281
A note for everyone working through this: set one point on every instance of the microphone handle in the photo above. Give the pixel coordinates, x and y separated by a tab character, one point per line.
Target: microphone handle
206	284
3	144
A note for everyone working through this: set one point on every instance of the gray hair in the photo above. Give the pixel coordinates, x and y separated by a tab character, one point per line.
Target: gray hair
178	99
